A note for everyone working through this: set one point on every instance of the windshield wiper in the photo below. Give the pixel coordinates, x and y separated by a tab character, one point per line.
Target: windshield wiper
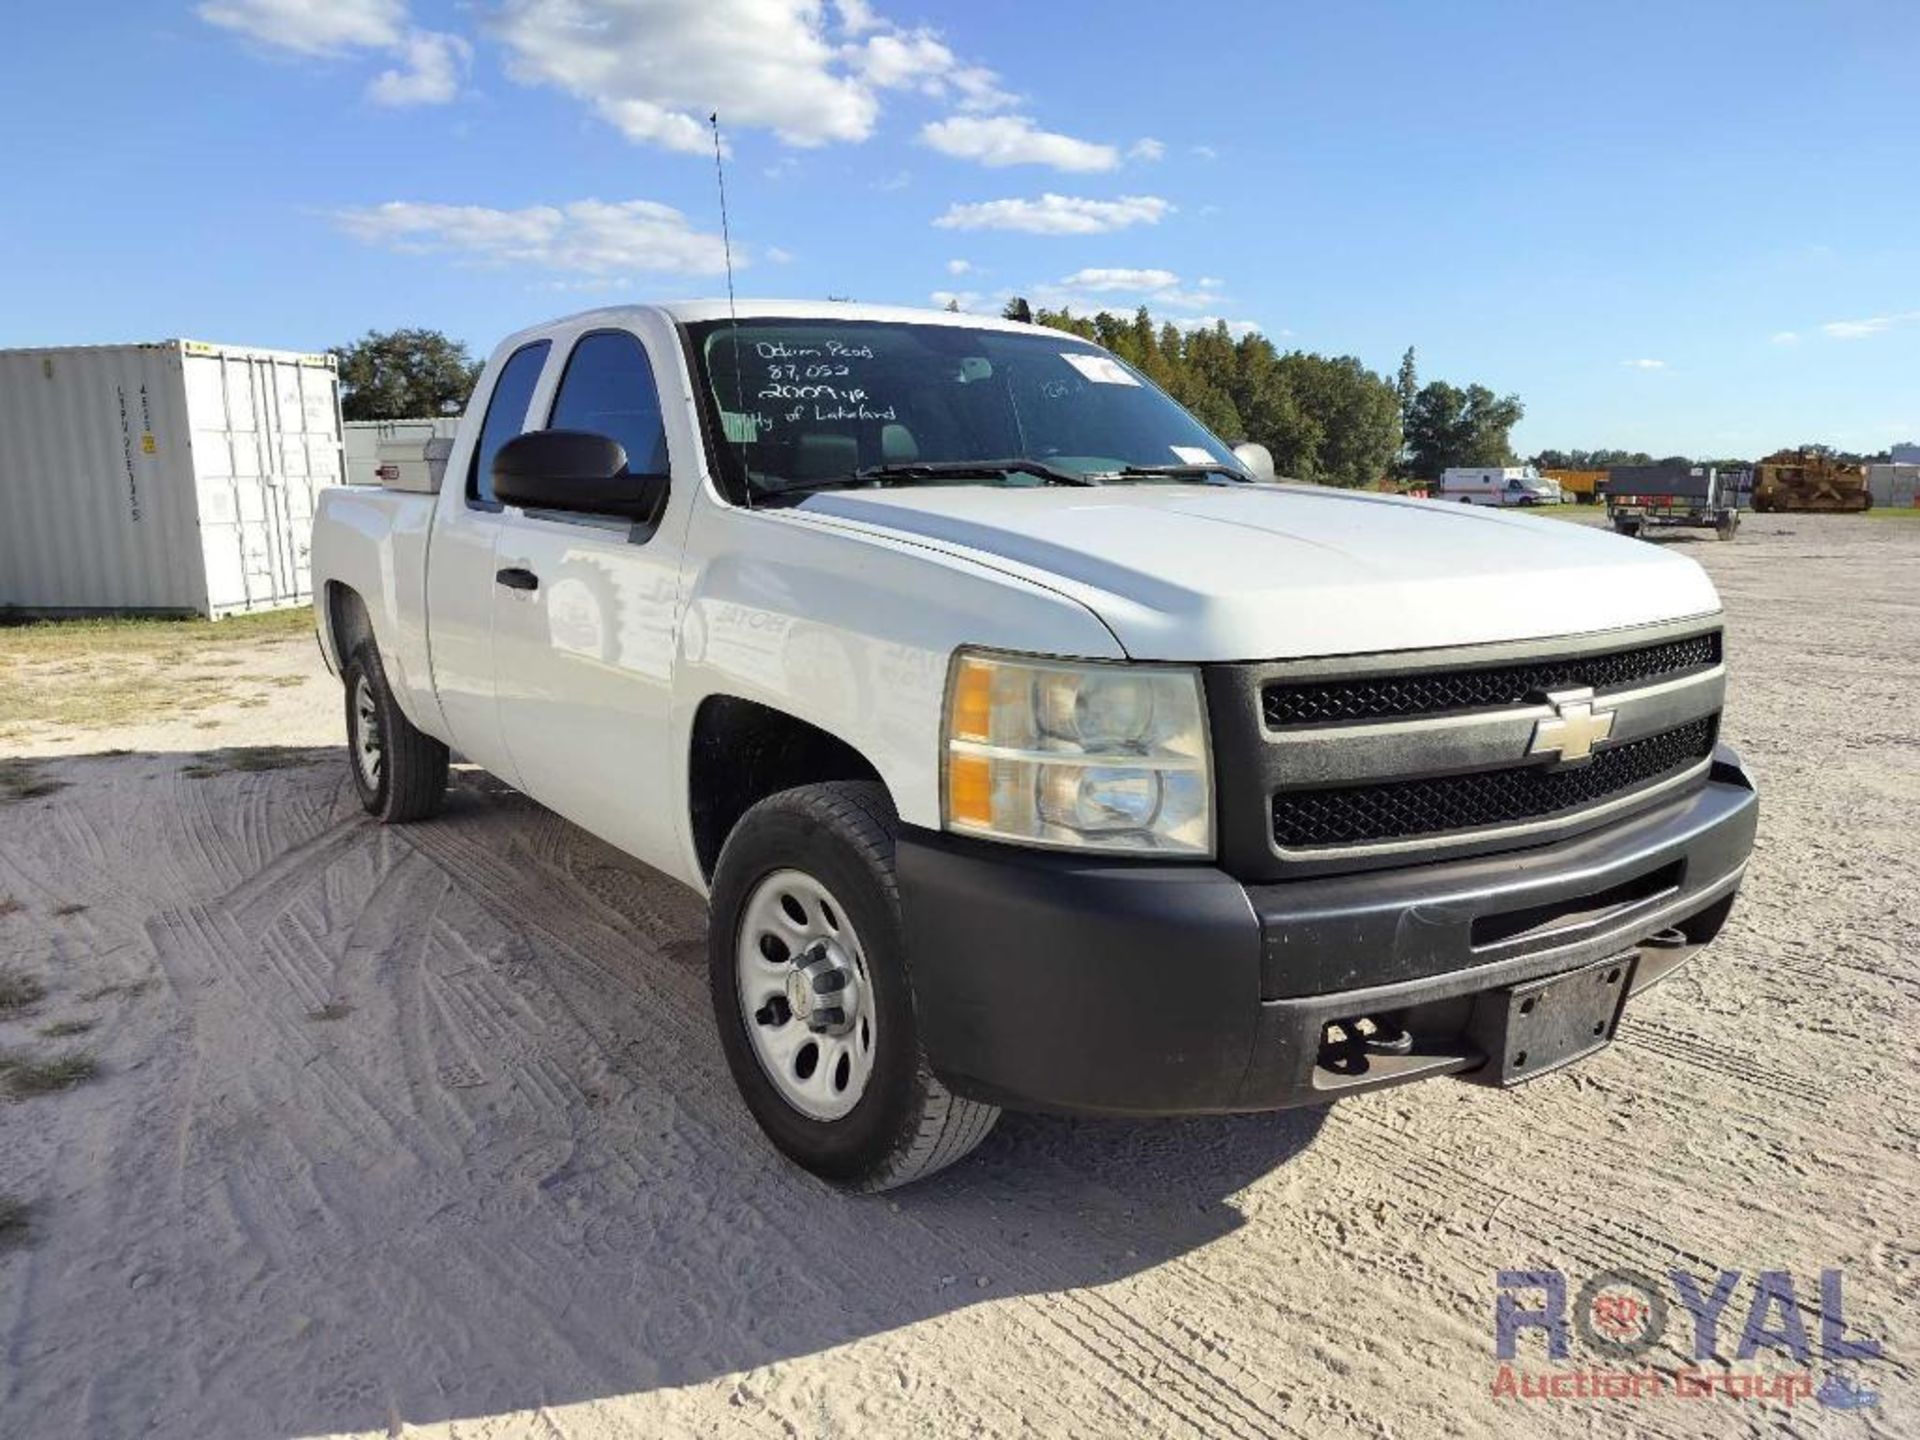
1014	465
1187	472
931	469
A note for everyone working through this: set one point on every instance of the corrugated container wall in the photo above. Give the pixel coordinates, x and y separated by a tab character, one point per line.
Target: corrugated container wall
172	477
1895	486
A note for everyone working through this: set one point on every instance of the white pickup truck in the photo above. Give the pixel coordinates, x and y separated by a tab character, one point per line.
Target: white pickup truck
1031	747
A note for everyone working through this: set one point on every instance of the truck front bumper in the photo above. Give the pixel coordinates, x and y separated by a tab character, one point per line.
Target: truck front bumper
1080	984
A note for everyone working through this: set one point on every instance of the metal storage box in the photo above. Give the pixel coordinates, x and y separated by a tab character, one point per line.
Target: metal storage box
1690	482
366	442
174	477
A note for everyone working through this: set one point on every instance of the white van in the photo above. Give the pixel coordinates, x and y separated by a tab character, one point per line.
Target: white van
1498	485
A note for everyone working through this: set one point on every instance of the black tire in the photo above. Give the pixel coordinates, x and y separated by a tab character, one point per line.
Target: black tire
409	775
906	1124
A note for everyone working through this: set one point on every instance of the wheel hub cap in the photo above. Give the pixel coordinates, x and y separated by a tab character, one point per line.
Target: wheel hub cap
366	735
805	999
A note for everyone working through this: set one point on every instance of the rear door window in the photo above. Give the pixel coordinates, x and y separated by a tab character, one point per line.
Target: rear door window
506	415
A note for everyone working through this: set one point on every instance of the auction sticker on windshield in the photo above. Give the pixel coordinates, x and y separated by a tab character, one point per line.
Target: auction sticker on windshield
1101	369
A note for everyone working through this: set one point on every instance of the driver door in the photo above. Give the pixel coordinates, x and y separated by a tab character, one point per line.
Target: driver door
584	617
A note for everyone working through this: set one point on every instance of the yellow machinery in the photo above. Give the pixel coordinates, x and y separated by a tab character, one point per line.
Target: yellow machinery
1799	480
1582	487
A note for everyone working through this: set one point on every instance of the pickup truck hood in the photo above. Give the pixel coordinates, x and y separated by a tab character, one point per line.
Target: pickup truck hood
1190	572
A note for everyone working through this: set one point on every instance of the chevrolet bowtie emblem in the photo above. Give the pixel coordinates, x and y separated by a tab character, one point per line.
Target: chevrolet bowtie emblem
1574	728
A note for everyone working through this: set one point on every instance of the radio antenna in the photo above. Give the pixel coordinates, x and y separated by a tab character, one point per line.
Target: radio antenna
733	316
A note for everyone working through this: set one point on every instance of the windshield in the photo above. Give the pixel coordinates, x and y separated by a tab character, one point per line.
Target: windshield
805	404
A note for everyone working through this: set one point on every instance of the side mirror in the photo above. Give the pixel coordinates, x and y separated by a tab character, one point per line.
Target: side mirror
575	470
1257	458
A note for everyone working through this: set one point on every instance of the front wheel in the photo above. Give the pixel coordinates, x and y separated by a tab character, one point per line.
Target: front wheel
808	971
399	771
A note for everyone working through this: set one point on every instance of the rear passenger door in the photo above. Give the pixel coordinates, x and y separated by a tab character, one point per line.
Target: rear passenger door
460	567
583	637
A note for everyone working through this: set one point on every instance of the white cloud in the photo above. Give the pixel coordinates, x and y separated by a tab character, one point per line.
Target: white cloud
1860	329
1786	337
1206	152
1238	329
965	299
899	60
591	237
1098	279
432	62
999	140
435	63
856	16
655	69
960	267
1146	148
1644	364
776	256
1155	288
1056	214
312	27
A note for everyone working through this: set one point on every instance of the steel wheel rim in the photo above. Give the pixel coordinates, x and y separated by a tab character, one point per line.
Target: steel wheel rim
790	916
366	734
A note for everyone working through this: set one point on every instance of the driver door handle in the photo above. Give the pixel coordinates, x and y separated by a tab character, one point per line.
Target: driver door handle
516	578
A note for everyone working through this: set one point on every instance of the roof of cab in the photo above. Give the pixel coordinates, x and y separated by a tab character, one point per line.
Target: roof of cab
695	311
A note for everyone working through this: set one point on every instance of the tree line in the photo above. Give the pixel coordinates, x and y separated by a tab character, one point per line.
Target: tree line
1327	419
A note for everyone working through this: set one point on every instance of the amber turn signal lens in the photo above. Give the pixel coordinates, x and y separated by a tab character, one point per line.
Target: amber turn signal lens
973	702
970	790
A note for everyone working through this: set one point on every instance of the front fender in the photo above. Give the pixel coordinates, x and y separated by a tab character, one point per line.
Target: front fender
853	633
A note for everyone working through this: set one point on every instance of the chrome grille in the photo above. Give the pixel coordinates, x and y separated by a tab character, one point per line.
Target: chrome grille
1406	809
1436	692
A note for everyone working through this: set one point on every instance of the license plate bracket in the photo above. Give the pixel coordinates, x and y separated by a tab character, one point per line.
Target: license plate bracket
1533	1029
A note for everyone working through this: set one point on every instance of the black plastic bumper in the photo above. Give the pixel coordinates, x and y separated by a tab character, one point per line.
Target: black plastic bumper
1057	982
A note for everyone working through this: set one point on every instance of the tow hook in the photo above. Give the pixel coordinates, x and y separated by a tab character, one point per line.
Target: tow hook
1346	1044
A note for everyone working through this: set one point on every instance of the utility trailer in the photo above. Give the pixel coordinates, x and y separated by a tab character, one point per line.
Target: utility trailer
1659	497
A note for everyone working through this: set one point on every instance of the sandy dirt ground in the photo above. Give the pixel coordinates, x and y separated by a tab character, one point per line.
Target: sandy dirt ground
426	1131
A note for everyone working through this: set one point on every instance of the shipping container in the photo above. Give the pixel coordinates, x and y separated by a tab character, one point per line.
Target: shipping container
1896	486
173	478
364	439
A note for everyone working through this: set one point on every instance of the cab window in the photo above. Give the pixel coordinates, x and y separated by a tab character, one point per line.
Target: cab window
608	389
506	415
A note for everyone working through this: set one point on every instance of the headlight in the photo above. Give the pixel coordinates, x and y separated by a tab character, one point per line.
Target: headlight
1078	755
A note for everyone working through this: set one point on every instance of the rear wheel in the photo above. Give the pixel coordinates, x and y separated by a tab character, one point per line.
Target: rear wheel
400	772
808	971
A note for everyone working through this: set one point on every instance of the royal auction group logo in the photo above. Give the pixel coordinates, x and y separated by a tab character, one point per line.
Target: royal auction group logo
1621	1317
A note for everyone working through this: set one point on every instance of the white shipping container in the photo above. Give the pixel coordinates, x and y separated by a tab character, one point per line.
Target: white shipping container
174	477
1896	486
364	439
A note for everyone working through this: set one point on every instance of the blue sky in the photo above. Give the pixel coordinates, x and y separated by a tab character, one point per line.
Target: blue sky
1687	226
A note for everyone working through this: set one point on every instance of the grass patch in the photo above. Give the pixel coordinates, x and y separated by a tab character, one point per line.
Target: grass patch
18	990
63	911
16	1221
9	906
61	1029
247	759
92	673
128	988
23	1078
332	1010
1891	512
22	780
